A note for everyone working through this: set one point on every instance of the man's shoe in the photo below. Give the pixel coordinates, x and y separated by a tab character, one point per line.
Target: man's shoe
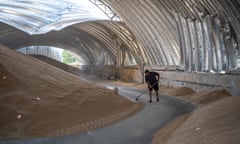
150	101
157	99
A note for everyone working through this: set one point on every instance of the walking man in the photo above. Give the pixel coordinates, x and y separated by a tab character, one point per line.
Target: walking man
152	80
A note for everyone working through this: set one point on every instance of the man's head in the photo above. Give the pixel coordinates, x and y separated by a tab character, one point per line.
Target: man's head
147	72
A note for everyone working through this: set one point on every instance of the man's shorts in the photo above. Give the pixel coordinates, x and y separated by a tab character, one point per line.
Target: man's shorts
155	87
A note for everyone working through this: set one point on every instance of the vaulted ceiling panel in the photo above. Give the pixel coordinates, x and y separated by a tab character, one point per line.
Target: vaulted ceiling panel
200	36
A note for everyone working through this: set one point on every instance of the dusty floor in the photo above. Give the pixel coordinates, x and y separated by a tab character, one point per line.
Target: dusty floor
216	121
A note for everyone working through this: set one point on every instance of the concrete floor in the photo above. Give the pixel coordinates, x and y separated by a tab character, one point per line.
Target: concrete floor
137	129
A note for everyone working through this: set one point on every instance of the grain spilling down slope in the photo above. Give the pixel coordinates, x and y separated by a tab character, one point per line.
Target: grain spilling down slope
37	99
216	121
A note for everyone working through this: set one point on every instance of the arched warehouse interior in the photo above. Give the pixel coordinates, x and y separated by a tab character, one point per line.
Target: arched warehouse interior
190	43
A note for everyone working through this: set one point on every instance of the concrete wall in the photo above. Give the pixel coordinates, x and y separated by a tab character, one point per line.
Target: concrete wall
196	81
130	74
110	72
202	81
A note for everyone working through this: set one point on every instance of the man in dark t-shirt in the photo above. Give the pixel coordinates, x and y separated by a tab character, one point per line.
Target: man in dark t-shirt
152	80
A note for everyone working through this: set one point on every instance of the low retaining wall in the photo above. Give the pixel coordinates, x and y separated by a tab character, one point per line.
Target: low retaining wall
130	74
202	81
196	81
110	72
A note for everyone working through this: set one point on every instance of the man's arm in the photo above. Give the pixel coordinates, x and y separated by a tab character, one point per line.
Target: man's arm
147	81
148	84
158	77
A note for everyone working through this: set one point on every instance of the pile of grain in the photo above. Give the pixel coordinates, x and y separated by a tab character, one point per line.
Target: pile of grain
37	99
